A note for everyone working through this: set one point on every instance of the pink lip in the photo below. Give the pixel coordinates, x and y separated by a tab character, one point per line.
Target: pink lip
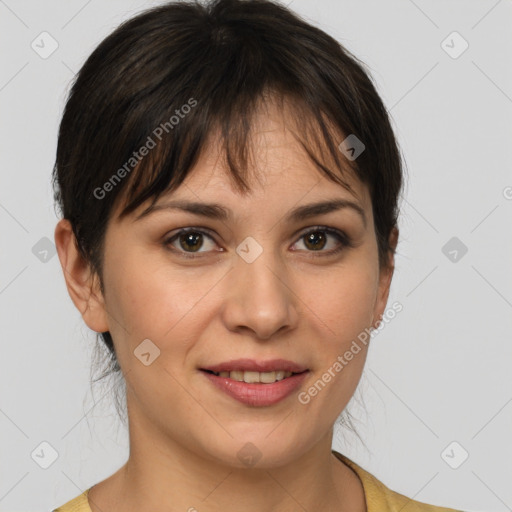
257	394
251	365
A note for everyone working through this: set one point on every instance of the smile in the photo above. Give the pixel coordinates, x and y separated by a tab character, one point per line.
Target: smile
254	388
255	377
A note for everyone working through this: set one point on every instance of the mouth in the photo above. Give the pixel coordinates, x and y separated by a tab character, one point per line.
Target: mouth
253	377
257	382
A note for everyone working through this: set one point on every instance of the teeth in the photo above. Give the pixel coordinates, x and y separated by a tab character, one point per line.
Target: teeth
255	377
251	377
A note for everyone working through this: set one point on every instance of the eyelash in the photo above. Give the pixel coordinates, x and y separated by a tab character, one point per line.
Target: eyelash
343	238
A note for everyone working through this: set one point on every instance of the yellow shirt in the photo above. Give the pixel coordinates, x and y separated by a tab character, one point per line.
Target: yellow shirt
378	497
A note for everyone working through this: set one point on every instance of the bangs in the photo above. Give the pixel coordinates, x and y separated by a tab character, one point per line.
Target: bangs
172	156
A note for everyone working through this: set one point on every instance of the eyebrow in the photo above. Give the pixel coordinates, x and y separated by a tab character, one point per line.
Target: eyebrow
218	212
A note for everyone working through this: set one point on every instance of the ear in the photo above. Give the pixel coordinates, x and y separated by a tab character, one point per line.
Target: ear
83	286
385	275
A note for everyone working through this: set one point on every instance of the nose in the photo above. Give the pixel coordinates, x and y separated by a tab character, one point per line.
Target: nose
259	298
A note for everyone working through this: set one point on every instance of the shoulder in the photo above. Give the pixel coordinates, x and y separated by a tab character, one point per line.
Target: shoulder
78	504
380	498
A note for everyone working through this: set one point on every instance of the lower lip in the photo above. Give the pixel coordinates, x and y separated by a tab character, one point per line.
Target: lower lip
257	394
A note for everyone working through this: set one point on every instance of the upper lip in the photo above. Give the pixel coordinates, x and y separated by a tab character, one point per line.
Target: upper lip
251	365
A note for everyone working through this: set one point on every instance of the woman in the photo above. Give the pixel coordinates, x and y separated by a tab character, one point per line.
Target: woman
229	184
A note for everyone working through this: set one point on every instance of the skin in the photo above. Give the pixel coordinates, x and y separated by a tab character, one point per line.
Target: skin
292	302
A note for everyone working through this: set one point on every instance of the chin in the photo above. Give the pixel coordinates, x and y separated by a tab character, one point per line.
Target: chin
257	451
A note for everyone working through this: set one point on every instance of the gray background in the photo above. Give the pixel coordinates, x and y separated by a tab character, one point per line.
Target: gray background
438	373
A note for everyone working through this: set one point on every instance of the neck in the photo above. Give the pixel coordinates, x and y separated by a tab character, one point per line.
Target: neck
162	474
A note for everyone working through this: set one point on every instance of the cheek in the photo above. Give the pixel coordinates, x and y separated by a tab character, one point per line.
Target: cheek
144	293
342	313
150	300
346	301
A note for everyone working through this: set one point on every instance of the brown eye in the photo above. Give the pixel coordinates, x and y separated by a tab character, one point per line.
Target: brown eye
190	241
320	238
315	240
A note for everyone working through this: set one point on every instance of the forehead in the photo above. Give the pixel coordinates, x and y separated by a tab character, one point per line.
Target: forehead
278	164
279	168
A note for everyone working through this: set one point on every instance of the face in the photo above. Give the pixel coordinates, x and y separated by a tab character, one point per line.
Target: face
258	284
